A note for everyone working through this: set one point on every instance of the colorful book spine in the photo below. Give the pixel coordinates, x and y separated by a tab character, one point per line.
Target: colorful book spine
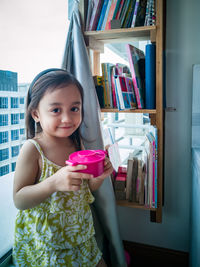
110	14
134	54
124	11
150	76
129	14
95	15
104	85
113	86
141	13
102	15
130	90
135	13
106	15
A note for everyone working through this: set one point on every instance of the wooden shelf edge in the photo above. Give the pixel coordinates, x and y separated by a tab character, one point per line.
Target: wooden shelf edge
122	34
125	203
121	30
150	111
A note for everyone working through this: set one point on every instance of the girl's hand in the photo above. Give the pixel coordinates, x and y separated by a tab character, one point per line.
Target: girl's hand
108	168
96	182
68	179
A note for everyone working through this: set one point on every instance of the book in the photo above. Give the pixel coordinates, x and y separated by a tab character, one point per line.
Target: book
102	15
89	13
141	13
140	183
104	85
129	15
136	60
110	14
106	74
135	13
131	93
95	14
125	98
124	11
99	90
118	9
113	75
109	67
118	92
130	167
150	74
106	15
114	155
150	18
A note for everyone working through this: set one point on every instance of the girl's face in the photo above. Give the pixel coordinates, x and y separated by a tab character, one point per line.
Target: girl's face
59	111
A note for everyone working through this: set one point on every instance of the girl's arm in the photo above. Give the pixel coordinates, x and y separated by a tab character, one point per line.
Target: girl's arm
27	193
95	183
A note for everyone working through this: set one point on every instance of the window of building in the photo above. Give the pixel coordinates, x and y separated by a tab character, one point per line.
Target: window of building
22	131
14	135
21	116
3	119
3	102
15	151
14	102
21	101
3	137
13	166
14	118
4	154
4	170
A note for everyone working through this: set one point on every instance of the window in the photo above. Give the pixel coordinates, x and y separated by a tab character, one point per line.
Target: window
15	151
14	102
4	170
14	118
13	166
3	119
4	154
26	59
21	101
3	137
3	102
21	116
14	135
22	131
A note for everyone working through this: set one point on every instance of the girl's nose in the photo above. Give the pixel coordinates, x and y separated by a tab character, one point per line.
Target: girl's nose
65	118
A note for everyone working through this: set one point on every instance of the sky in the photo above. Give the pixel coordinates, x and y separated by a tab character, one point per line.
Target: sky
32	36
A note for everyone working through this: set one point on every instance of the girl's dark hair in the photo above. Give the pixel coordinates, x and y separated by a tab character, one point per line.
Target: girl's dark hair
49	80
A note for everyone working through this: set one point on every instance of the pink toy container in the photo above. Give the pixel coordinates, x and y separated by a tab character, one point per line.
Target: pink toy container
93	159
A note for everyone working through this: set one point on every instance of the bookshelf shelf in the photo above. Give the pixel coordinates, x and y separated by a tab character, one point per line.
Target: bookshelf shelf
125	203
149	111
95	41
123	35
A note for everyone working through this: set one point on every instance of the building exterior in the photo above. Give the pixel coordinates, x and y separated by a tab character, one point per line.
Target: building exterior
12	119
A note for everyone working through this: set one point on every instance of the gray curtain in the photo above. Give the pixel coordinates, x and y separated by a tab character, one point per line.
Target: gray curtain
104	208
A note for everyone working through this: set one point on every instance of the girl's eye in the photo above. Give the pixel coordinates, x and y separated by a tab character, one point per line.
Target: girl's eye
56	110
75	109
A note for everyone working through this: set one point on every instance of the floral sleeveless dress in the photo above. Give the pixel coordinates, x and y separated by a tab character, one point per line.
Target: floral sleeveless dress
59	231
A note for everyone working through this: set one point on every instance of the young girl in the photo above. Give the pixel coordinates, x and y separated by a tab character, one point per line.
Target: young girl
54	225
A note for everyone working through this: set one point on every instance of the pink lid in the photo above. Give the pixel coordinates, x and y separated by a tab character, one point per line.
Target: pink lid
87	156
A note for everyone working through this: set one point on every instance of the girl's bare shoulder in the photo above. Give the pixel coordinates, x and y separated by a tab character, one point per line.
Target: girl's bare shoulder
29	151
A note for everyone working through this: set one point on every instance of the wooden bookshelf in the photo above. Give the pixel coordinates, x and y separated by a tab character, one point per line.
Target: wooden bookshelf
95	41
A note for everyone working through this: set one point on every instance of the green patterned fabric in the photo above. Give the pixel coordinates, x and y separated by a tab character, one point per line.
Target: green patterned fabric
59	231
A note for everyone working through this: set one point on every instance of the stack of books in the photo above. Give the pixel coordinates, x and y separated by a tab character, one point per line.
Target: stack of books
129	87
141	181
109	14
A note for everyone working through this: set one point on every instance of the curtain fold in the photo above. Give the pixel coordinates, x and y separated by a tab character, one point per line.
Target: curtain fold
76	61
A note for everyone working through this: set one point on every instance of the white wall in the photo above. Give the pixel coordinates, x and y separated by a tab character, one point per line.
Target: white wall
182	51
